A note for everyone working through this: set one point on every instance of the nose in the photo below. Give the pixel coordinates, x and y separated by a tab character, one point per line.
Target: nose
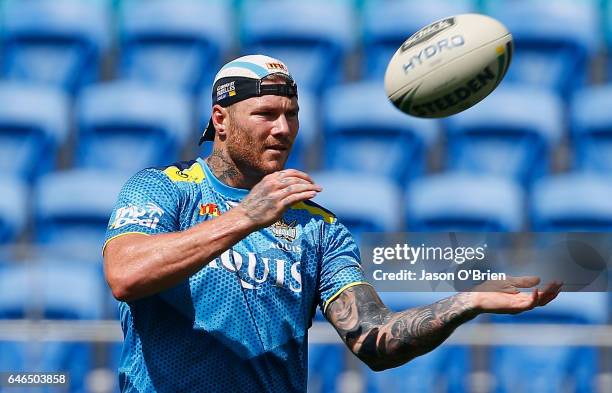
281	126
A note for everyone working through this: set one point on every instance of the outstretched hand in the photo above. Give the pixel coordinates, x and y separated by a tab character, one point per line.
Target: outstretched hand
504	297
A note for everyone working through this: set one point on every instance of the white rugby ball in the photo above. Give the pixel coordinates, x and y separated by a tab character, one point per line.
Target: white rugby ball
449	65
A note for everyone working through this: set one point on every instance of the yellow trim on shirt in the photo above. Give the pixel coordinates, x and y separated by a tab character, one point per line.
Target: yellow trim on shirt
193	174
121	234
339	291
329	218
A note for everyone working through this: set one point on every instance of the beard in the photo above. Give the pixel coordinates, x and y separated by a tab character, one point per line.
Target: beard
250	155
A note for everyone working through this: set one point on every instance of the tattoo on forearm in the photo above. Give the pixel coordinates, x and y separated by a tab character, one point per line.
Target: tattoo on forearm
257	205
385	339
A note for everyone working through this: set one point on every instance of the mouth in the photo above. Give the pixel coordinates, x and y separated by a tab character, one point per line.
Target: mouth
278	147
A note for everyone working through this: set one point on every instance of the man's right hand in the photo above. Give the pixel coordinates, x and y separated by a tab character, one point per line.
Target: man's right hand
275	193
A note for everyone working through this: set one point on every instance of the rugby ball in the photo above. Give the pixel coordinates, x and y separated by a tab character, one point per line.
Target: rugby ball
449	65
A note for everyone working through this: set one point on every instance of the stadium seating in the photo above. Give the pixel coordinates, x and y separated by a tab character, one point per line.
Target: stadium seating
553	39
57	42
13	209
33	126
606	12
365	133
592	129
177	44
50	289
373	205
505	136
326	379
76	224
312	38
442	370
129	126
387	24
572	202
551	368
464	202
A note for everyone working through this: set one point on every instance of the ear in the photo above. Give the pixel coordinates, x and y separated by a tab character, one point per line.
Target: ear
220	119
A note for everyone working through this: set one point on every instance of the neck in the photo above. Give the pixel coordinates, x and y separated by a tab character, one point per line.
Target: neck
222	166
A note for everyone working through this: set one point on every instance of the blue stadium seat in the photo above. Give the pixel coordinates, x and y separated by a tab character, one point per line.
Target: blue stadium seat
177	44
33	125
58	42
575	203
13	208
128	126
72	210
606	11
550	369
311	37
50	289
464	202
445	369
572	202
373	205
511	133
326	362
365	133
554	40
592	129
387	24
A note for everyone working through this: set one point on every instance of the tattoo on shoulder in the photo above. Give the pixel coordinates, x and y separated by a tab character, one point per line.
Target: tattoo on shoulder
384	339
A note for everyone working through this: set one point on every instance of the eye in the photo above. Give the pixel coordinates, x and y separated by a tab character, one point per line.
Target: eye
292	113
266	114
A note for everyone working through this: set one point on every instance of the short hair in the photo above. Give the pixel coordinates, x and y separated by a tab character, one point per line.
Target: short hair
278	77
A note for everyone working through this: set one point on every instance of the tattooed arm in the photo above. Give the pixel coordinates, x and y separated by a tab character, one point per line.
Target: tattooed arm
384	339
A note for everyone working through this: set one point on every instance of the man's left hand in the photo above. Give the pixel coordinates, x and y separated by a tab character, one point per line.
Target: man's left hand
505	297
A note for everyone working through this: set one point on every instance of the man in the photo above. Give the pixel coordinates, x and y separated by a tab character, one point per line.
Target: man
220	263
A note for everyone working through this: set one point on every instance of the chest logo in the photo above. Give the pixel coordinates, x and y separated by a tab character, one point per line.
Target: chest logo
285	230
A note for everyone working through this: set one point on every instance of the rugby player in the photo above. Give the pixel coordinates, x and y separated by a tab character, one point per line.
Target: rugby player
219	263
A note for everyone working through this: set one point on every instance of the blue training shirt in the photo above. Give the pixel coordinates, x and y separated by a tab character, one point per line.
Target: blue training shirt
241	322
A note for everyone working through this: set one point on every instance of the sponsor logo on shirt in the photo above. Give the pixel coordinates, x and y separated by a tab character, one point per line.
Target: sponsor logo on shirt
209	209
253	271
147	216
288	247
285	230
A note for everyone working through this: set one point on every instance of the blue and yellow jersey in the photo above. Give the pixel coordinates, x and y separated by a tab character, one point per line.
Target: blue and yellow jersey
241	322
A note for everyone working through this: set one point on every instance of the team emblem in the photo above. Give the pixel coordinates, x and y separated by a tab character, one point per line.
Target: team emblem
285	230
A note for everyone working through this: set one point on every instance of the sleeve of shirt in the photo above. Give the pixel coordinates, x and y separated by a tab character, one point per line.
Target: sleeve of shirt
148	203
341	267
